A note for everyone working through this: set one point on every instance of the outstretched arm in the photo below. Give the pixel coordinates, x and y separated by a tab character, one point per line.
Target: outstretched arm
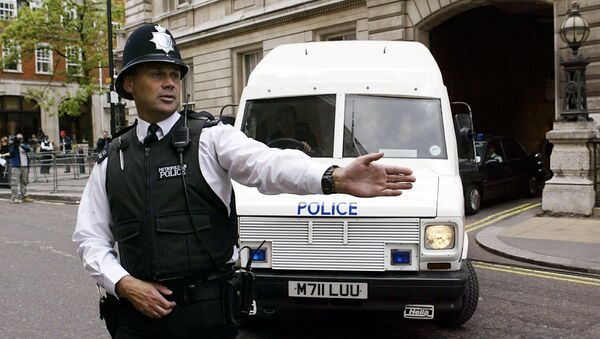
364	178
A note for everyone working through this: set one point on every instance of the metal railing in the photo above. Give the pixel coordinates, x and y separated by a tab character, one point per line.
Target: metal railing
595	167
57	164
56	167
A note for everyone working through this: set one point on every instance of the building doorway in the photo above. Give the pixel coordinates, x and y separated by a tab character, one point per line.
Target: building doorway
78	128
19	115
500	59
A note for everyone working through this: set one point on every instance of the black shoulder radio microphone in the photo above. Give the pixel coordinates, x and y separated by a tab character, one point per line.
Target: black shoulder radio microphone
181	139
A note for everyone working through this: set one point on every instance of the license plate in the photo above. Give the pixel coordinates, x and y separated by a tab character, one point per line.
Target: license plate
325	289
418	311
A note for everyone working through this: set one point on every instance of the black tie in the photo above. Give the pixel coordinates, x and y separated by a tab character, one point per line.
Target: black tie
151	136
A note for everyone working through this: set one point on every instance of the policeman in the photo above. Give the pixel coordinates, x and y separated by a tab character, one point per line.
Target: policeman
167	201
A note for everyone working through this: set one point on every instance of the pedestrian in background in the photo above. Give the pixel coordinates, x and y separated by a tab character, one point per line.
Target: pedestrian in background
3	156
33	143
153	177
103	142
46	148
65	149
4	145
19	163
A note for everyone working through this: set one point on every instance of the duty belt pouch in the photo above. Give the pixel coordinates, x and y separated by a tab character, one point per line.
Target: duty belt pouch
232	301
248	306
109	308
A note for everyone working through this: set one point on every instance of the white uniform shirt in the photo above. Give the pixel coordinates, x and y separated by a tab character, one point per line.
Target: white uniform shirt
224	153
46	146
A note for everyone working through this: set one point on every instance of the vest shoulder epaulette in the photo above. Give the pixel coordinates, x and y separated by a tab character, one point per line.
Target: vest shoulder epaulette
202	115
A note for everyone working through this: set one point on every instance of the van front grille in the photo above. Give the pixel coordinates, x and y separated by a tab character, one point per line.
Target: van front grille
329	244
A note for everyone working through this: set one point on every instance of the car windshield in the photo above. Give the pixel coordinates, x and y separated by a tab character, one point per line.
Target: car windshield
304	123
399	127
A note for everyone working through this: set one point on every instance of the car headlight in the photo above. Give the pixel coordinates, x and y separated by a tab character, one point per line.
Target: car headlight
439	237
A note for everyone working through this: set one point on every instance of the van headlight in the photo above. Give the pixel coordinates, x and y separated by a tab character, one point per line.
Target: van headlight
439	237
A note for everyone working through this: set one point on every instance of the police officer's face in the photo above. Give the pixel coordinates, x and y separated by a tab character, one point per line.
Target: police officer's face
155	87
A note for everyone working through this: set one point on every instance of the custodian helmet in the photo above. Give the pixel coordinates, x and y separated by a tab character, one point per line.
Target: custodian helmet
149	43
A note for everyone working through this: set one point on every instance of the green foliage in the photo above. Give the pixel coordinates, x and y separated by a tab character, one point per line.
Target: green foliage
76	25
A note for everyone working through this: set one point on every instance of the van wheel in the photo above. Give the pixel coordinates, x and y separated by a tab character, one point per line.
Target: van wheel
472	199
533	186
469	303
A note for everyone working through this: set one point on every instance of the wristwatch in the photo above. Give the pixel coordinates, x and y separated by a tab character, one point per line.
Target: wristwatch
327	183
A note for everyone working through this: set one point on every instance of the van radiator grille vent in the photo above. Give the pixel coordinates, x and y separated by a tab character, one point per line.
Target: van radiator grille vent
324	244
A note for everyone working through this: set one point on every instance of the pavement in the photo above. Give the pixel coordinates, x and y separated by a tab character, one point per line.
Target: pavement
64	187
563	242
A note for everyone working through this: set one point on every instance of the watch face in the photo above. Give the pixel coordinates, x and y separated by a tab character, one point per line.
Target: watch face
327	184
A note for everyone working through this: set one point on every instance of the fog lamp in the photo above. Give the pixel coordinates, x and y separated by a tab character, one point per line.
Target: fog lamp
259	255
439	237
400	257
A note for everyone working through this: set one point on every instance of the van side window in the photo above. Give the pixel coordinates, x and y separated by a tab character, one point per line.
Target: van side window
302	123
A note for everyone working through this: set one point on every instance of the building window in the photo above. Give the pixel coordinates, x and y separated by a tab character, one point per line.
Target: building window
251	59
341	36
171	5
245	60
187	87
11	58
73	61
35	4
72	13
8	9
43	59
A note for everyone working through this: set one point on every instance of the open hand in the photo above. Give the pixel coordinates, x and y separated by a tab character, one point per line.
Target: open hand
364	178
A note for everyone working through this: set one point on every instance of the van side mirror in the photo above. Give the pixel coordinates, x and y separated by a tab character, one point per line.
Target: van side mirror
228	119
466	134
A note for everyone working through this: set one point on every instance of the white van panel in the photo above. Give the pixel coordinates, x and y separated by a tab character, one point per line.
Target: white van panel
420	201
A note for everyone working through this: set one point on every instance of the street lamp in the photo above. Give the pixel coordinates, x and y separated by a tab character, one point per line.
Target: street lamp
574	31
111	67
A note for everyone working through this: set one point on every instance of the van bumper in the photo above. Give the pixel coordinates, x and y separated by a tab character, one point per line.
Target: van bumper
387	291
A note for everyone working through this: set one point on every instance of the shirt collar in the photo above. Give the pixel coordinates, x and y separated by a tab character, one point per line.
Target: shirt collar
165	126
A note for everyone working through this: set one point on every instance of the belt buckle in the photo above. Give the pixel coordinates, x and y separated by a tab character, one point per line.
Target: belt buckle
186	290
253	308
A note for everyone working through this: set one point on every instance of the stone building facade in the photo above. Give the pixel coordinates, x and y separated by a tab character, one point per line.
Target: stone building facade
500	56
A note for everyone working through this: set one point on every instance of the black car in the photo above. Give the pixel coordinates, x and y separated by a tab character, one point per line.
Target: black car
493	167
501	168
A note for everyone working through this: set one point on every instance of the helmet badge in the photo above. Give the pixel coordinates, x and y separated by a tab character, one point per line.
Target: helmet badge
162	40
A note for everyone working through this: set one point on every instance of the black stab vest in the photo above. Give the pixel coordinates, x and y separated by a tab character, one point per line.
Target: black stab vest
150	217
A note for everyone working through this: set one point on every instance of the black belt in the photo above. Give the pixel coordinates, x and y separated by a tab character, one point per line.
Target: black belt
190	290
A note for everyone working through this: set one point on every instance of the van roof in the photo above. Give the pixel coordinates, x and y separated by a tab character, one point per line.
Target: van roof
347	61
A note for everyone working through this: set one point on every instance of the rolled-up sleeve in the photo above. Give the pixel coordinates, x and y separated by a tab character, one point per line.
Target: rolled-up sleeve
92	236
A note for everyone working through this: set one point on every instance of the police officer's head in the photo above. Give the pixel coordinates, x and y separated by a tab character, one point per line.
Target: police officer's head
152	73
150	43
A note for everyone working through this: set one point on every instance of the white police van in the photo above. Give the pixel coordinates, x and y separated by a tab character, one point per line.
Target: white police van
406	253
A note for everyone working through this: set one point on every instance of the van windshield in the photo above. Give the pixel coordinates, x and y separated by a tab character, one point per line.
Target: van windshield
399	127
304	123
